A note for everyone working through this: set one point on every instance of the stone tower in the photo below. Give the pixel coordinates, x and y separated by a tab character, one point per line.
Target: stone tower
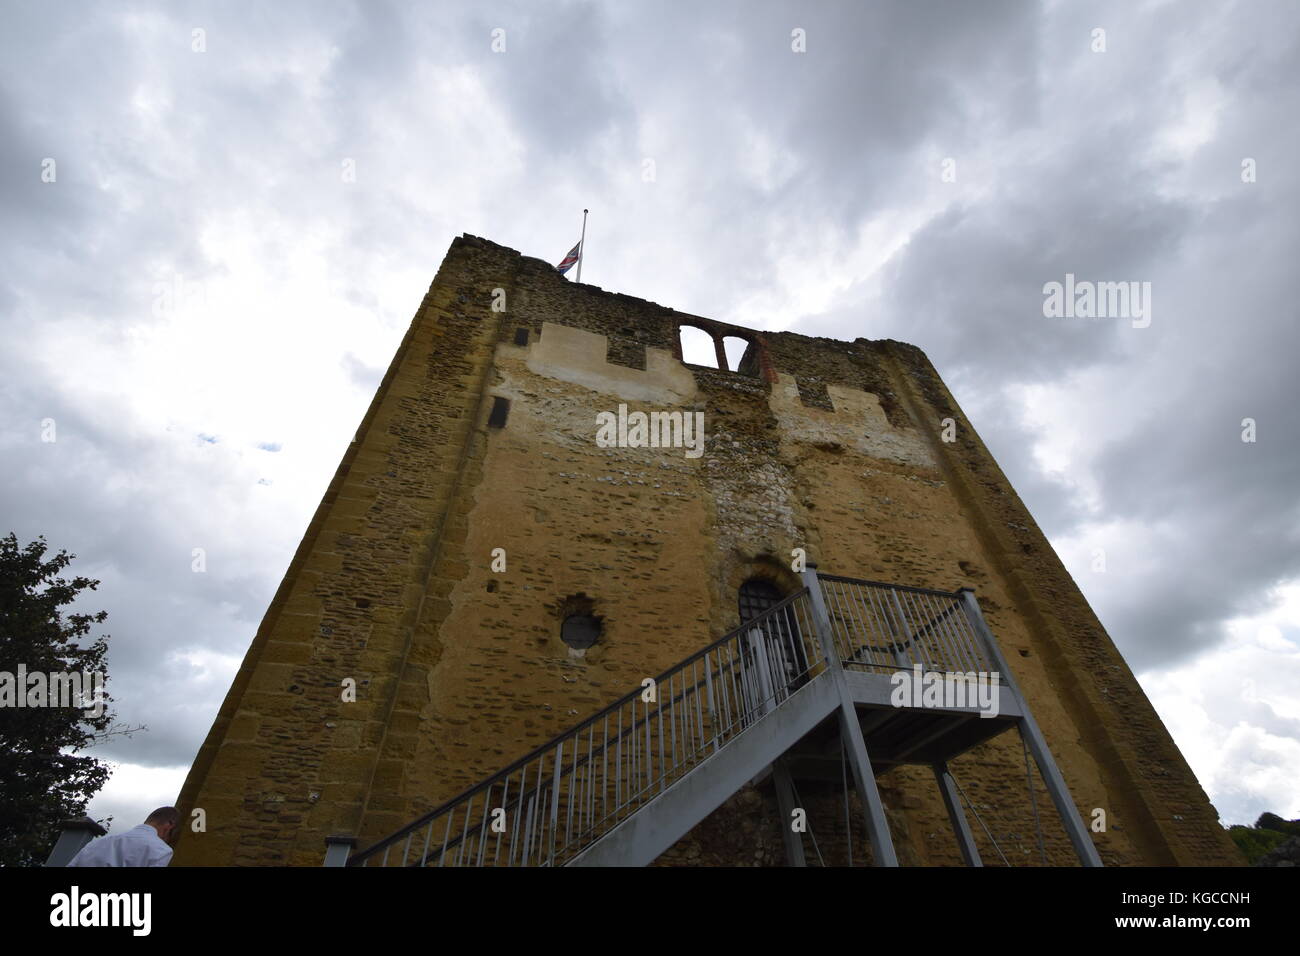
485	573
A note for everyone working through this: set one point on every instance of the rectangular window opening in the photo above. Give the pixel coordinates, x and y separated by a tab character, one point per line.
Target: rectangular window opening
500	408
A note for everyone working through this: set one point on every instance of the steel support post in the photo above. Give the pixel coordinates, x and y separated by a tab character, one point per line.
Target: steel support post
786	801
965	839
851	731
1060	793
338	847
73	838
762	670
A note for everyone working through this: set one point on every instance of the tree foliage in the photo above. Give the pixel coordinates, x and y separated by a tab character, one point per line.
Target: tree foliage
1269	832
44	780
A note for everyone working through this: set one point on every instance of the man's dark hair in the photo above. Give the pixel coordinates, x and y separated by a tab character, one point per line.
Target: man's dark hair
164	815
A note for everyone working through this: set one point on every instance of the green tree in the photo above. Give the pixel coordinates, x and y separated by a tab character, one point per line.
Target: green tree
1271	821
1269	832
44	780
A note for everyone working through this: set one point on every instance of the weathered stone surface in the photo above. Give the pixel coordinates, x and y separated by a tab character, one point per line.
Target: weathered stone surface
829	446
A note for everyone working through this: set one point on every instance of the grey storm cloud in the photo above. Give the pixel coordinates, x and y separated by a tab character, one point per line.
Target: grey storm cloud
1112	167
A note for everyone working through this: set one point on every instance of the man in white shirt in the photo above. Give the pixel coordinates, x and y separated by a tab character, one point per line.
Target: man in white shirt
145	845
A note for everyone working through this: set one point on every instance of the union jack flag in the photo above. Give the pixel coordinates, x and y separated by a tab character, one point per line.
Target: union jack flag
574	254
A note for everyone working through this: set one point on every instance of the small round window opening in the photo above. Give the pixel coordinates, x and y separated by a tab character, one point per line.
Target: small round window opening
580	631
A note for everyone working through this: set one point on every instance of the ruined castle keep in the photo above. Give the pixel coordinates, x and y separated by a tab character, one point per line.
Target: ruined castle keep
483	575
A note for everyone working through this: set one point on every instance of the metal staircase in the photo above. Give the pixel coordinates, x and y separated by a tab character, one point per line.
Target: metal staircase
890	674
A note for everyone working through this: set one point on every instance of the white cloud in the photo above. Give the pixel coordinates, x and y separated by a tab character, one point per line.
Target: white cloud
1235	713
134	791
792	191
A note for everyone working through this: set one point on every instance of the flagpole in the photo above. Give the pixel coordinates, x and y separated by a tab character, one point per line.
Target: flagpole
582	244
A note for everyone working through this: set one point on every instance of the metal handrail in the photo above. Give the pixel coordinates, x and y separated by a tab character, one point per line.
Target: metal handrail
516	801
746	673
736	703
886	627
823	576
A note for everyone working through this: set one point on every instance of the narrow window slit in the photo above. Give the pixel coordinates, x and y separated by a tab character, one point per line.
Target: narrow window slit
500	409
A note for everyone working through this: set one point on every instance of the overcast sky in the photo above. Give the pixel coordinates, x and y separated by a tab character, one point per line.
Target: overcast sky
242	221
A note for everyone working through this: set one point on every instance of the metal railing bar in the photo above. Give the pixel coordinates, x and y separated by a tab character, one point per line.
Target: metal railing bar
877	625
860	629
883	584
961	636
930	653
548	745
483	826
659	719
785	654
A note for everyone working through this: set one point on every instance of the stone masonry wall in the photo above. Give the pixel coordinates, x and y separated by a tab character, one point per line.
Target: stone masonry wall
829	446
